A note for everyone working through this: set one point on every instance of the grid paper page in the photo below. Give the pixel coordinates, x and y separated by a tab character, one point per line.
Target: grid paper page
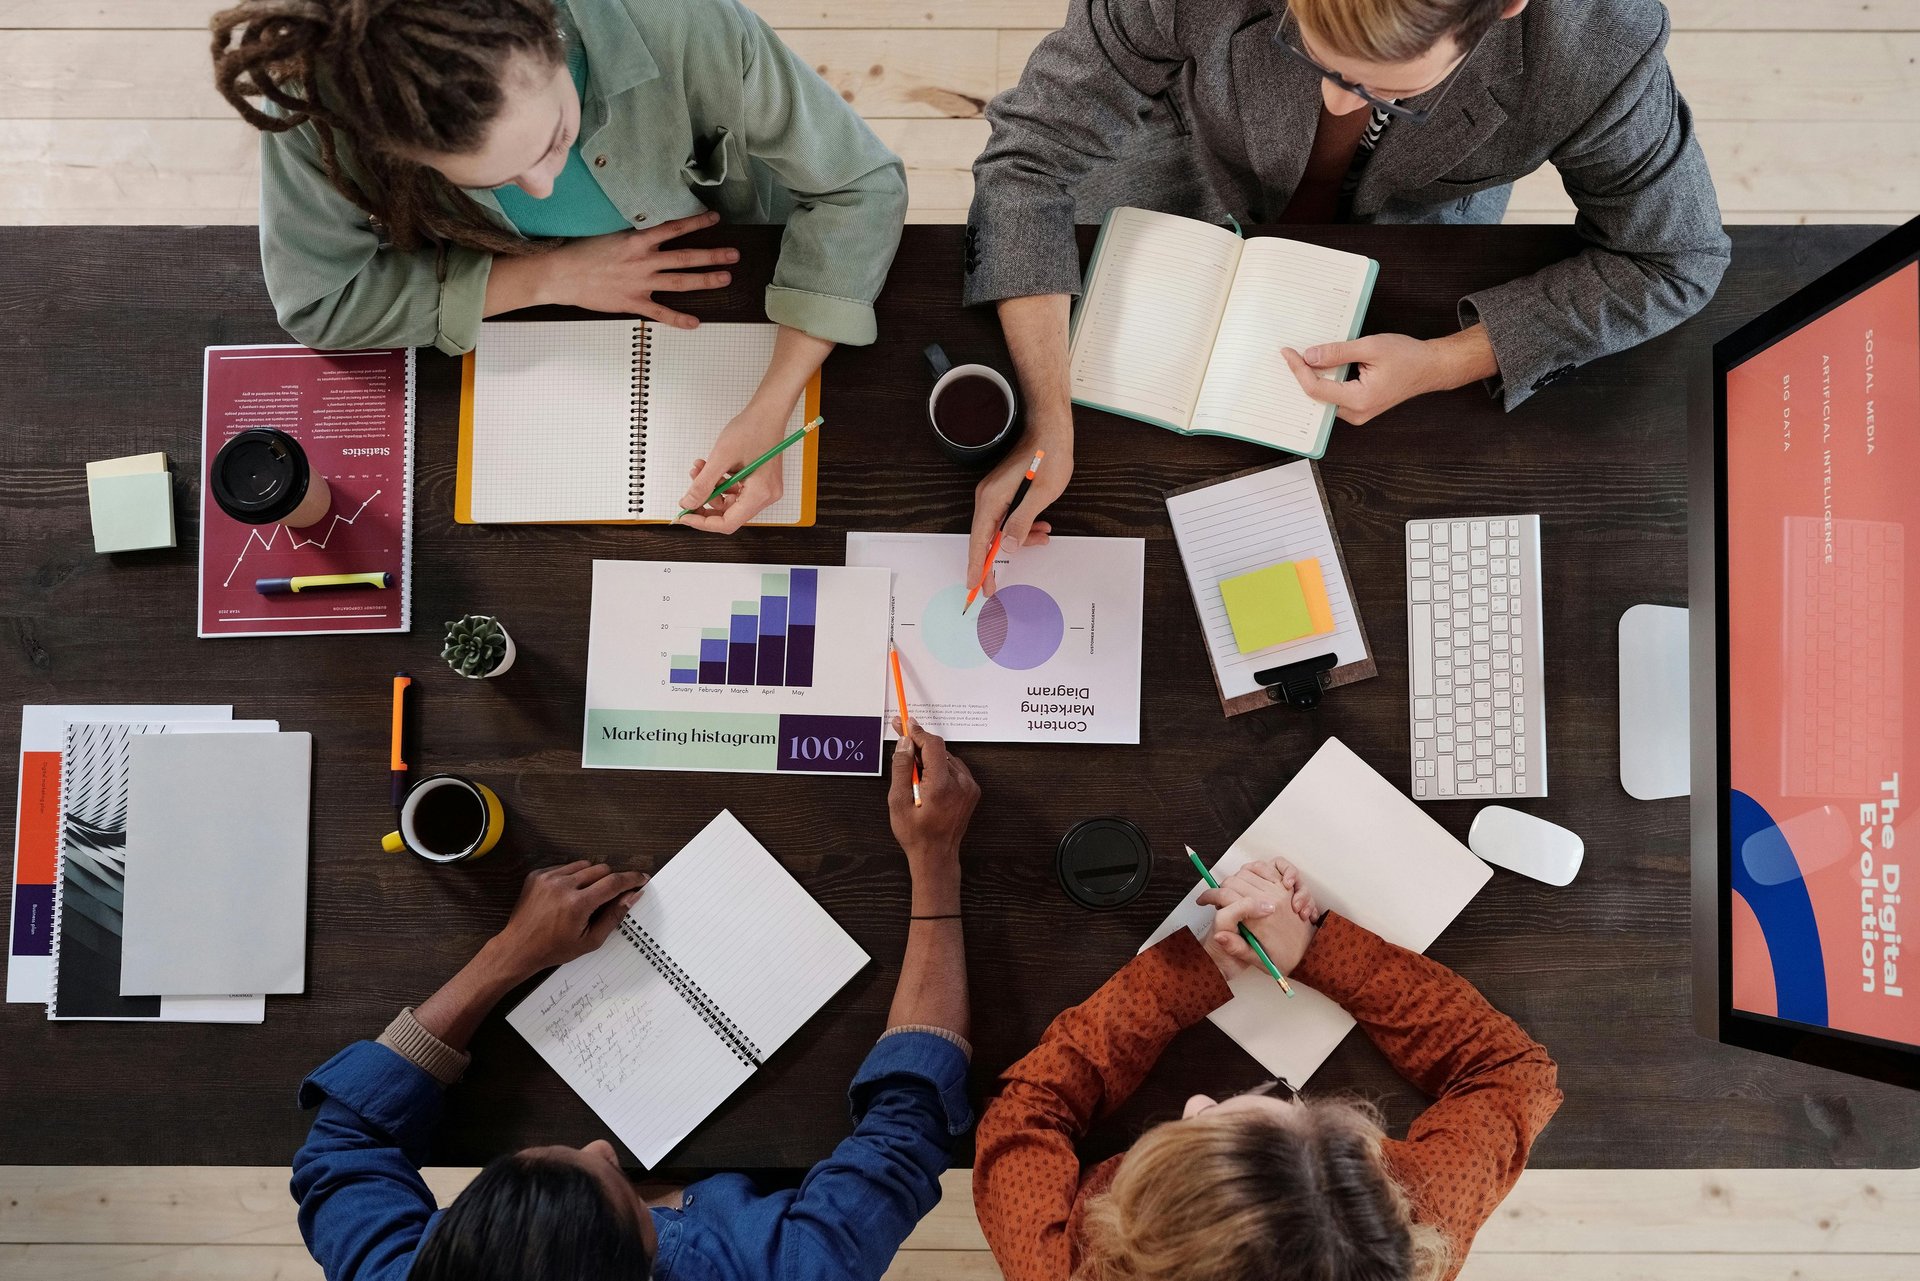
697	380
553	421
1286	294
632	1047
1242	525
1147	323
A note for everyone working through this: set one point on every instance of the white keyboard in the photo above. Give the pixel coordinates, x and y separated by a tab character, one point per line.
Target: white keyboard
1473	653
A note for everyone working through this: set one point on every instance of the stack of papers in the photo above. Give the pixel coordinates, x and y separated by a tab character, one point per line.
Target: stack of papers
146	885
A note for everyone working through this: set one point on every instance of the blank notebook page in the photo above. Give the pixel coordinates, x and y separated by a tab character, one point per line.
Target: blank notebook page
553	421
697	380
635	1048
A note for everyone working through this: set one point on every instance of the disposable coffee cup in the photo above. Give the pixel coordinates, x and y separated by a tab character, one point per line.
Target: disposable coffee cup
971	407
447	819
262	477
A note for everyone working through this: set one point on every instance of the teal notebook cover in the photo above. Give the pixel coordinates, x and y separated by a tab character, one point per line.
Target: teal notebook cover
1319	446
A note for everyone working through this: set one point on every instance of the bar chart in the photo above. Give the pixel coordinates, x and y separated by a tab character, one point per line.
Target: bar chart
766	642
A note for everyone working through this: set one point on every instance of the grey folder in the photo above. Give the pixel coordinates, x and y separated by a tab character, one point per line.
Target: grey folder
216	887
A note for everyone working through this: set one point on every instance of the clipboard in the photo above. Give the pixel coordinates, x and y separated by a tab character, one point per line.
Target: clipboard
1307	667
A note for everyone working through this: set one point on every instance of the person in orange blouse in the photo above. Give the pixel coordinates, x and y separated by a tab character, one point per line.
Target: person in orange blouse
1261	1187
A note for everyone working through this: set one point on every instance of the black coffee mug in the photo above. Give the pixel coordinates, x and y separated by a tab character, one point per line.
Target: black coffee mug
971	407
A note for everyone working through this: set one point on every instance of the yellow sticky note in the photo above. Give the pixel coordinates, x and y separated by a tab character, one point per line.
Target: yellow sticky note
1314	588
1266	607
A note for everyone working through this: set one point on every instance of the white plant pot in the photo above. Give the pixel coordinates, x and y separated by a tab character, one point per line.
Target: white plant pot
506	661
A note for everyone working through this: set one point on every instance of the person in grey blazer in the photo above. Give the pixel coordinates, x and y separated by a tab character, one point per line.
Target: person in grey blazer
1383	111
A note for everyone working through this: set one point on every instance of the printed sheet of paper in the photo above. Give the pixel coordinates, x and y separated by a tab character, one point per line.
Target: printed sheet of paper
771	669
1052	657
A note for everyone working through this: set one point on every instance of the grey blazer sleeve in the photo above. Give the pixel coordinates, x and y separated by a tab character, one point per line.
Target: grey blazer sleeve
1648	211
1085	90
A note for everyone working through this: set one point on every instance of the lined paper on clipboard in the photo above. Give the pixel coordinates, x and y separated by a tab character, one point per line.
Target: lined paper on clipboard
1249	521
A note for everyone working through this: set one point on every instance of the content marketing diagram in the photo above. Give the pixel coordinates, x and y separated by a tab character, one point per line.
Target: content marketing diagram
745	668
1053	656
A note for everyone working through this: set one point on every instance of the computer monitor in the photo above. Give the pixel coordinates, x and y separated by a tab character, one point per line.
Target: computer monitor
1806	760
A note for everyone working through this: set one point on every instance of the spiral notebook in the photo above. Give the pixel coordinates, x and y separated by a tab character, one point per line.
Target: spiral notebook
601	421
696	989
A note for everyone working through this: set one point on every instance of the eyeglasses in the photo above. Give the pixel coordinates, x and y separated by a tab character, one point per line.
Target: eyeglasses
1412	115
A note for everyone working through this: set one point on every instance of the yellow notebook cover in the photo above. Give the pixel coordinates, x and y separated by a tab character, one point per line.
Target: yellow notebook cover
463	484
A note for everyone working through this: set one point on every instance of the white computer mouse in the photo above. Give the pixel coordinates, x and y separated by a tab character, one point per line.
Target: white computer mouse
1525	844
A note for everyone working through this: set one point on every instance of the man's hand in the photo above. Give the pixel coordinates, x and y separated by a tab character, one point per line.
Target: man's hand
930	832
994	494
1269	899
754	431
622	272
564	912
1391	368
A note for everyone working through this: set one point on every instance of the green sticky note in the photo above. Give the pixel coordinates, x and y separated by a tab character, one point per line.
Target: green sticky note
131	512
1267	607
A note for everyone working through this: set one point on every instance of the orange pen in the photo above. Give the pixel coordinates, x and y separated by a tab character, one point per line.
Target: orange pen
900	697
1019	495
398	763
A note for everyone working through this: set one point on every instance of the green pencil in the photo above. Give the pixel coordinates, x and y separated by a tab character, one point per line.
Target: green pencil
755	465
1245	933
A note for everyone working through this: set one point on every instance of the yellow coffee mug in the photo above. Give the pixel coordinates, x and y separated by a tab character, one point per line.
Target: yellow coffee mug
448	819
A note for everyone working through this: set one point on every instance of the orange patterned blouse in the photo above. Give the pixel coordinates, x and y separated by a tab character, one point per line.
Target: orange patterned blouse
1493	1085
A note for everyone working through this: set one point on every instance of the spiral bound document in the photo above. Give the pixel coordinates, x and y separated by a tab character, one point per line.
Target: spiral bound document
601	421
697	987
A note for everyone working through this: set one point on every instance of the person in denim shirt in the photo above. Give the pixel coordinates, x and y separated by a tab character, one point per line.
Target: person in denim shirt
554	1213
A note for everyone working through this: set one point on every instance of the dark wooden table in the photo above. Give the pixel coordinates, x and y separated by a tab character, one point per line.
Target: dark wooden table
100	339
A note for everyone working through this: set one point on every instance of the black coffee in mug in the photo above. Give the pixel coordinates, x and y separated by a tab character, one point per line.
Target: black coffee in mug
971	411
449	820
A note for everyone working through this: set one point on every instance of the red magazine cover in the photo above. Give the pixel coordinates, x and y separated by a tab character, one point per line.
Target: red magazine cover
351	416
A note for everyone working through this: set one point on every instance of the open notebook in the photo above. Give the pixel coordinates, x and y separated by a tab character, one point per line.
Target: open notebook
601	421
1365	851
694	991
1181	324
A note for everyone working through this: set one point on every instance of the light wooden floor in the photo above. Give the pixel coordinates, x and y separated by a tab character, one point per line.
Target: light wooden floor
1809	111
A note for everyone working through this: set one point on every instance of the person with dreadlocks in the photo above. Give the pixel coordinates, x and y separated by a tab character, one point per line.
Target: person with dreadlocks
428	163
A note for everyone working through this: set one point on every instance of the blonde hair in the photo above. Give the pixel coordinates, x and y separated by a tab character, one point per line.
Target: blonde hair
1254	1196
1395	30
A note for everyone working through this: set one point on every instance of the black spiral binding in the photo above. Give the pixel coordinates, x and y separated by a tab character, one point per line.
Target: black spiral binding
743	1049
637	448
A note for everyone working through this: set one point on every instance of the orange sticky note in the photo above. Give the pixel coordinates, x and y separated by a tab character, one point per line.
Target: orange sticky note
1314	588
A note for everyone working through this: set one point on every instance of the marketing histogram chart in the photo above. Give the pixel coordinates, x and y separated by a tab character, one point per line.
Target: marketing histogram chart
762	668
1053	656
767	641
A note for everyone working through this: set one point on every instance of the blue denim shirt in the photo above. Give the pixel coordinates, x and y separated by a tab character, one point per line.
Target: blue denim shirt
364	1209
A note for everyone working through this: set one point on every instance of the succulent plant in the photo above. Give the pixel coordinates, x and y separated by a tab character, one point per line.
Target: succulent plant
476	645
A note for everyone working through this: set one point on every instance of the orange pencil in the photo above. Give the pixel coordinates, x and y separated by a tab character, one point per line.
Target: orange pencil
1019	495
900	697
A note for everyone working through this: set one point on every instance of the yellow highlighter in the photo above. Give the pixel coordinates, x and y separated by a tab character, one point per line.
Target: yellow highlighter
288	586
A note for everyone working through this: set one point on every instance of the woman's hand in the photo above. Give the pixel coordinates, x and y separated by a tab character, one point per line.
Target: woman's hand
564	912
623	271
1391	368
1268	897
753	431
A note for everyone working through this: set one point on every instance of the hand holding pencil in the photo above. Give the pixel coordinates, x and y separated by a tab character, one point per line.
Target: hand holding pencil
930	832
1264	897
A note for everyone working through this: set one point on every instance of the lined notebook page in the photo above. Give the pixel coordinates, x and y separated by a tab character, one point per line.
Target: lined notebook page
697	380
1148	319
1248	523
632	1046
1285	294
553	420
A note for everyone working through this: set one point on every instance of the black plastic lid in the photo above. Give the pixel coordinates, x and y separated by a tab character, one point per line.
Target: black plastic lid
1104	863
260	476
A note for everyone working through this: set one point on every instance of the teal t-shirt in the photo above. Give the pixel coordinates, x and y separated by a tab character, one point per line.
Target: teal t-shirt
577	206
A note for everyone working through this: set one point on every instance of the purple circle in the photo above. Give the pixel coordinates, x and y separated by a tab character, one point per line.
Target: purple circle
1021	627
